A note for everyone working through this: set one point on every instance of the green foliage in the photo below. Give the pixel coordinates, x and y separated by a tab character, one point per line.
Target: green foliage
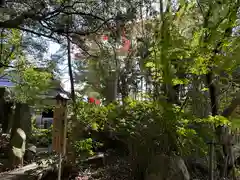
182	46
16	65
85	147
147	126
10	46
30	83
92	116
41	137
144	129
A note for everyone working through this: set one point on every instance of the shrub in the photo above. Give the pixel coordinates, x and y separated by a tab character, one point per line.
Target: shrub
41	137
146	127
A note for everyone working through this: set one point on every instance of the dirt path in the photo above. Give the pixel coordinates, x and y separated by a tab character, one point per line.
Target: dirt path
28	172
18	174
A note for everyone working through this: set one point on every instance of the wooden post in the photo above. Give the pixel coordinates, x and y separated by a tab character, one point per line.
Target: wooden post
211	160
60	130
60	166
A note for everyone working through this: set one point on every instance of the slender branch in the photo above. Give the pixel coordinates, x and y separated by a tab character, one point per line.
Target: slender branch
63	33
200	7
84	50
184	103
84	14
19	20
85	33
39	34
70	71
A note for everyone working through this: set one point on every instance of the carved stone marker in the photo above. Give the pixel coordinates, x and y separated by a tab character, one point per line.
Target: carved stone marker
18	142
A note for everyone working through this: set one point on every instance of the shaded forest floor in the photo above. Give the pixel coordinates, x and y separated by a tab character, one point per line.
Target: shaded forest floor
111	168
115	169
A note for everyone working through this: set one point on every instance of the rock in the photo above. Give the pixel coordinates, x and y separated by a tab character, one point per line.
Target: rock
95	161
236	152
50	174
68	172
163	167
30	153
32	148
197	167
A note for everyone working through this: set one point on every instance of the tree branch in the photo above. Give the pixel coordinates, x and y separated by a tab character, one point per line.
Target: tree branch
19	20
84	14
39	34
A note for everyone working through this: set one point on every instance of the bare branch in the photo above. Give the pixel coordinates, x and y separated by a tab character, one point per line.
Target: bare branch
84	14
19	20
50	36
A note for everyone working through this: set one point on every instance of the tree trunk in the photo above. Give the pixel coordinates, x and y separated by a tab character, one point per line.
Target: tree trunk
220	129
123	86
11	118
200	100
7	112
111	87
212	93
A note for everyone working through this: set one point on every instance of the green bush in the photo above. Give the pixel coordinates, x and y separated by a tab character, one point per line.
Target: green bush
85	147
41	137
147	127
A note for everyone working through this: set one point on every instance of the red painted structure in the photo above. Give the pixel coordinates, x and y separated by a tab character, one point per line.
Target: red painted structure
92	100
